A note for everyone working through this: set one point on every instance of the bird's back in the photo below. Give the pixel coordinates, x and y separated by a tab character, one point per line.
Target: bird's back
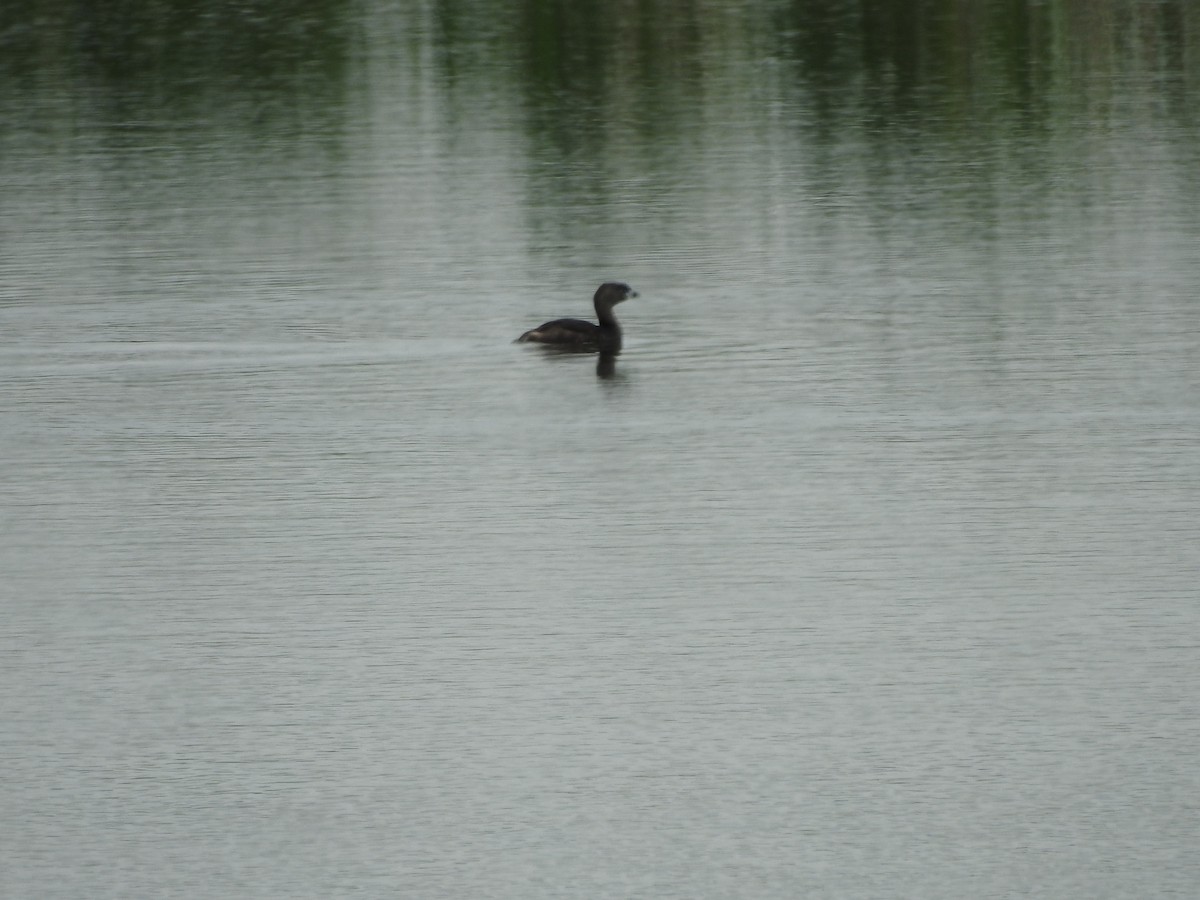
563	331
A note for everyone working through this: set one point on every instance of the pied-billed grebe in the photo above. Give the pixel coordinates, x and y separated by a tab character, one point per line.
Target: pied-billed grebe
577	334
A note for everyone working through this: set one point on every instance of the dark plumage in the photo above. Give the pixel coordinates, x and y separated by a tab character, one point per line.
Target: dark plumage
576	334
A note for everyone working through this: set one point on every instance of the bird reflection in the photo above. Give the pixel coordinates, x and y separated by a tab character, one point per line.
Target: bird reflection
606	364
606	358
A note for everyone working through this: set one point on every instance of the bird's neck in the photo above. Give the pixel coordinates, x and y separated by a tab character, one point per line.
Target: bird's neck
604	315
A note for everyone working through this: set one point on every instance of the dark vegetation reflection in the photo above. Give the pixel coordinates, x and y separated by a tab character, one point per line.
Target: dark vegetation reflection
590	74
612	104
152	63
609	90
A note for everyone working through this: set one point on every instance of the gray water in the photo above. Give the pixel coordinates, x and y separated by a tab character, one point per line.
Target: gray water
870	571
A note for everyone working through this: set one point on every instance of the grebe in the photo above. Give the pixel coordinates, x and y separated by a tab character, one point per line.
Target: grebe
576	334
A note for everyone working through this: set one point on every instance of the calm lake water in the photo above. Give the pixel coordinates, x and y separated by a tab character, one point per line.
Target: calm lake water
871	571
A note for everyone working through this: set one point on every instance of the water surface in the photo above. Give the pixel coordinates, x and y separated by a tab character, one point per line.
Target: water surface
869	572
